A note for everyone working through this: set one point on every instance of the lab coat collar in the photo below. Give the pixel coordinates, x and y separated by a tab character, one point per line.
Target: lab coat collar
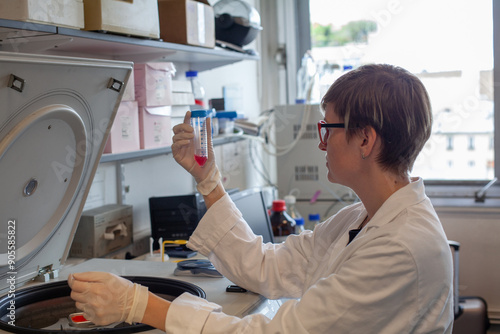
409	195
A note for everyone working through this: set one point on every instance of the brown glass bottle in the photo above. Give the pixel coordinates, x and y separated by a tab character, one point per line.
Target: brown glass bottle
283	225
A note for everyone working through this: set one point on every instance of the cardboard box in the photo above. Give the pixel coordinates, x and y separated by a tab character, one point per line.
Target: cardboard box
127	17
153	84
155	127
124	136
103	230
62	13
187	22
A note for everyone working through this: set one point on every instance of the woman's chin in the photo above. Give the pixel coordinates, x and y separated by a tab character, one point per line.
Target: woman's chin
330	177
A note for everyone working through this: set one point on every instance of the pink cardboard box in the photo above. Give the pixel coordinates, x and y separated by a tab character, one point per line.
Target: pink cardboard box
124	136
153	84
155	127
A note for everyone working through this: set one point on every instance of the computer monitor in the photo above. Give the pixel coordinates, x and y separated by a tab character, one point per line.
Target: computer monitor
175	217
252	206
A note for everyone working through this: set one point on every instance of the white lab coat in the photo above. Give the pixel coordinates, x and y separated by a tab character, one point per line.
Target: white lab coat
394	277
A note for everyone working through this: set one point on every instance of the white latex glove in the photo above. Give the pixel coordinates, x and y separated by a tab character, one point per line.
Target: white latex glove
208	176
106	298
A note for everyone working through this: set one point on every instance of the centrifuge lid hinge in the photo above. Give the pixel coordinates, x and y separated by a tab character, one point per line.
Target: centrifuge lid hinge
46	273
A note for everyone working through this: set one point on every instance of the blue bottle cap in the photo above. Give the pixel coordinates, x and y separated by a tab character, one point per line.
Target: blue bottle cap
300	101
190	74
199	113
226	114
299	221
315	216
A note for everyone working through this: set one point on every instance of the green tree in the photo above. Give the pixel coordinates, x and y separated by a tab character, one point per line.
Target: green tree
352	32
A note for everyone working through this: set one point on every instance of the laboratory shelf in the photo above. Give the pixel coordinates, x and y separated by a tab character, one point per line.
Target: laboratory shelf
16	36
35	38
149	153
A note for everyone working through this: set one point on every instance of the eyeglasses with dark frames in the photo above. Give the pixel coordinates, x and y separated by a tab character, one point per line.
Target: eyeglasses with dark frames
323	130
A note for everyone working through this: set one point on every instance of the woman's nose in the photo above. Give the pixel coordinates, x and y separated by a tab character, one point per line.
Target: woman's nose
322	146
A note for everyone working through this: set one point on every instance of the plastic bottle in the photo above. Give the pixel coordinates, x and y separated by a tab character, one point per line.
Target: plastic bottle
327	76
305	78
198	90
299	225
314	219
291	209
283	225
214	122
198	120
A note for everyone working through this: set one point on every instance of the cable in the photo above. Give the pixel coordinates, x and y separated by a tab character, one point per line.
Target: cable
282	150
261	173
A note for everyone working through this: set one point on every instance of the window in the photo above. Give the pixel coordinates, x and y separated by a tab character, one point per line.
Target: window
449	143
448	44
471	146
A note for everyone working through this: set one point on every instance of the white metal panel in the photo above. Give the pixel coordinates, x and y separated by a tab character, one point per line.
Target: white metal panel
478	231
304	166
56	113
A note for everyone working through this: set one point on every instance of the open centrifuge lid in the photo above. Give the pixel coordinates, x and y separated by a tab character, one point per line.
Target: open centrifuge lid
56	113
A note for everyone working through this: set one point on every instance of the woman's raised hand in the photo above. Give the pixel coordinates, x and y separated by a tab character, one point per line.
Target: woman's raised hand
206	176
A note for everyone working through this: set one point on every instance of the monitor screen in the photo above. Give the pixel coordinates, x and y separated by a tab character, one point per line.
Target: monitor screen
252	206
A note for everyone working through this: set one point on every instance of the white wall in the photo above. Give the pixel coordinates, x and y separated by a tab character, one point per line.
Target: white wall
161	176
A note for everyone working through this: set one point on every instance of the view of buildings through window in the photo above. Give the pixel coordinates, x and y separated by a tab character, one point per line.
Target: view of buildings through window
448	44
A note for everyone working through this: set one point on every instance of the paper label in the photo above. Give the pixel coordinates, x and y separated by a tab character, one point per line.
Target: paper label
126	123
201	22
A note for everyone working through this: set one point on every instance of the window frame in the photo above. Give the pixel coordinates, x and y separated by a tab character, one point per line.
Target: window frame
441	189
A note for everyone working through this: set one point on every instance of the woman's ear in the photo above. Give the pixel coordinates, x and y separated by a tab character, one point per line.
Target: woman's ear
368	138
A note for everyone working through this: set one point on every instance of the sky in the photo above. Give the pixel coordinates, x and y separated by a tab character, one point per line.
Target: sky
420	35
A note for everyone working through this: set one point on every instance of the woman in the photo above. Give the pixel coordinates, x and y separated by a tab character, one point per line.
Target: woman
382	265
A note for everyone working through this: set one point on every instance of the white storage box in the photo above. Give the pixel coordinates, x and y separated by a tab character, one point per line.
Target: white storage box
137	17
155	127
62	13
153	84
124	136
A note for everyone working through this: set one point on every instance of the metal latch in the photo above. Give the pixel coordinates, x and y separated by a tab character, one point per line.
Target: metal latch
16	83
480	195
46	273
115	85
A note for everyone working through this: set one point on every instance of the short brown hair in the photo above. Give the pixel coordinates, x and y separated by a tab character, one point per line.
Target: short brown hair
392	101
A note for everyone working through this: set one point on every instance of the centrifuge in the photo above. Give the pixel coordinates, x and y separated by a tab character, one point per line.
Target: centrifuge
55	117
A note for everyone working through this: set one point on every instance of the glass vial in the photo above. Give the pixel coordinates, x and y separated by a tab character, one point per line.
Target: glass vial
283	225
